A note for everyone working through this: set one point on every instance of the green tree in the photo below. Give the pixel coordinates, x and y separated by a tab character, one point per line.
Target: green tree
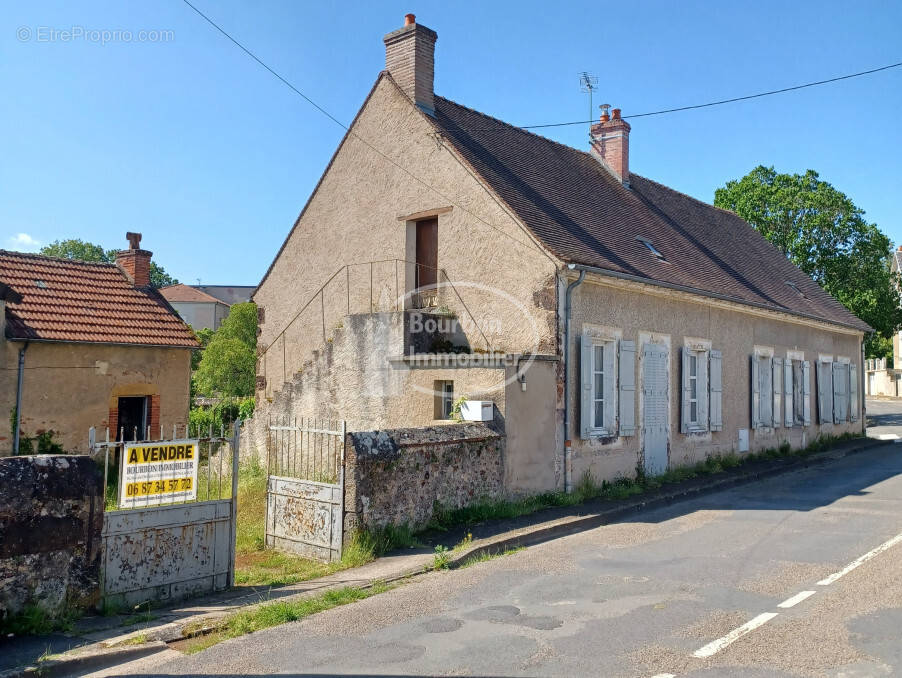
87	251
825	234
203	337
228	363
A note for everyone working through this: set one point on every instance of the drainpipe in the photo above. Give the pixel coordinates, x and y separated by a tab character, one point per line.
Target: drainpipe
19	398
568	462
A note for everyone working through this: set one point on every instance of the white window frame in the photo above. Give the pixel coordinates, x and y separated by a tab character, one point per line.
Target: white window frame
599	371
618	411
699	354
609	395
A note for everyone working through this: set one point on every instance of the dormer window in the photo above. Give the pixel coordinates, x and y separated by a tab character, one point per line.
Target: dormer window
651	248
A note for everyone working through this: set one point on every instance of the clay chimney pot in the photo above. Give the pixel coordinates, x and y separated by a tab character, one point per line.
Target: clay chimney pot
410	19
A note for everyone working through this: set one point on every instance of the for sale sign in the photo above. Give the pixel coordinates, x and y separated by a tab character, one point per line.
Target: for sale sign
158	473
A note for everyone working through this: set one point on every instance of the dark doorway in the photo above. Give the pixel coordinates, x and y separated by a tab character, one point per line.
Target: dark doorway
133	417
427	261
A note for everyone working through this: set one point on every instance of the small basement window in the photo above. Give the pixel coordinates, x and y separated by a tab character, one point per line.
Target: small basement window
651	248
443	395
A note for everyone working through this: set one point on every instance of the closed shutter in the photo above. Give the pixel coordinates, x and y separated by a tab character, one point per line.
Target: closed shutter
777	383
806	393
824	392
715	379
610	388
765	388
585	387
853	392
627	388
839	414
787	392
756	396
686	391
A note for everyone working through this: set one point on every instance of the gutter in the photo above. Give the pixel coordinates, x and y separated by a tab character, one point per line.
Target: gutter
17	431
568	458
711	295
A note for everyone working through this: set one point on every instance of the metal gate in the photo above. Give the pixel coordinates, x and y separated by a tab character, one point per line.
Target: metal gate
305	487
655	414
176	550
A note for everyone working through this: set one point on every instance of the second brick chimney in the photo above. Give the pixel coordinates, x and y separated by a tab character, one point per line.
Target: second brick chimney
135	262
410	58
611	143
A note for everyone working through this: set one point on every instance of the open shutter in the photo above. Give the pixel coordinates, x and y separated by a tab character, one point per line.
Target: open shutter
610	388
715	379
853	392
585	387
703	390
777	384
787	392
806	393
627	388
838	415
756	396
684	378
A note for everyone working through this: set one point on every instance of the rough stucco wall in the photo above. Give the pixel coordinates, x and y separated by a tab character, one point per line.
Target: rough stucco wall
51	515
395	477
60	376
353	218
670	319
201	315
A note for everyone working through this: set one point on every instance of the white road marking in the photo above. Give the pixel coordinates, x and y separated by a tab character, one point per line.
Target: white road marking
796	599
860	561
664	675
716	646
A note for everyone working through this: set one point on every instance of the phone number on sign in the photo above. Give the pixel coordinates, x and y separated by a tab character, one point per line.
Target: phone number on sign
158	487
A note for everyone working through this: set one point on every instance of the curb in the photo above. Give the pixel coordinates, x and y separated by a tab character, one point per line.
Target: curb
521	537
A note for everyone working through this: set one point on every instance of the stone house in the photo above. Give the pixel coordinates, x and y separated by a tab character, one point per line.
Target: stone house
615	323
880	379
89	344
205	306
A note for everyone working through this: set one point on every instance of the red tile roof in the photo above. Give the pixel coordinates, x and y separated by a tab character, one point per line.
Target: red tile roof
584	215
86	302
187	293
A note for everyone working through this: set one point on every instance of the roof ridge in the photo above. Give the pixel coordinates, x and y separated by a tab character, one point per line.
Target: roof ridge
47	257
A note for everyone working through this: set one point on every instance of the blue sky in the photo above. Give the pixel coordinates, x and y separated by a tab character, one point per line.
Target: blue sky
190	142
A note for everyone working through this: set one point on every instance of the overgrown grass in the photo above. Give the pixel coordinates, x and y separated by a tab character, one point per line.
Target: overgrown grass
279	612
488	555
38	622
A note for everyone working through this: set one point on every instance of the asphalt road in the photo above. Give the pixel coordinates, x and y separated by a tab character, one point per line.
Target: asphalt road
638	598
884	419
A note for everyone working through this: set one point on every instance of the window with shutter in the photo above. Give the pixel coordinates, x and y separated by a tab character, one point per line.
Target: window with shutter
777	383
716	401
806	393
598	395
840	392
824	391
694	409
788	391
765	391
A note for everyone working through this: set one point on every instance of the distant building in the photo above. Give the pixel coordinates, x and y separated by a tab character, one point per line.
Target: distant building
206	306
87	344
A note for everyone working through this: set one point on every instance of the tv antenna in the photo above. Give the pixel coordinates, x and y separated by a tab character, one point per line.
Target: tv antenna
588	83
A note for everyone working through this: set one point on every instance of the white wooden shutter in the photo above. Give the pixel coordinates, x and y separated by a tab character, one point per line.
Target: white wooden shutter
702	382
806	393
715	379
838	413
585	387
824	392
853	392
777	384
756	396
627	388
684	378
787	392
610	388
766	391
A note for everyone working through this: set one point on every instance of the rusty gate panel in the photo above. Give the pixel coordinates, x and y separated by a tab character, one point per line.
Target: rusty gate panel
304	517
167	553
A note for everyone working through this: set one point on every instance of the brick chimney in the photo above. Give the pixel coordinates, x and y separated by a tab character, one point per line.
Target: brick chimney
134	261
611	143
410	58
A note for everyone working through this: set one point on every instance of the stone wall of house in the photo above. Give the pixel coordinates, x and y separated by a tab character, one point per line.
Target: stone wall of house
51	516
397	476
60	375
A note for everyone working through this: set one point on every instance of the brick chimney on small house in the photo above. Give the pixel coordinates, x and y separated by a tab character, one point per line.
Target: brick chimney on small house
134	261
611	143
410	59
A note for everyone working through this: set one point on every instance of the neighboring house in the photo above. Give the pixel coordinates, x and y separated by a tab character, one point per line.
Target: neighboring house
91	344
205	306
639	327
880	379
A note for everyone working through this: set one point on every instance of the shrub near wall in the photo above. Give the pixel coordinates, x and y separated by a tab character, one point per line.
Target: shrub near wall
396	476
51	516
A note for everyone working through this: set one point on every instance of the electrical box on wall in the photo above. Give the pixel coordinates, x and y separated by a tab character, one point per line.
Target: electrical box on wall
477	410
743	440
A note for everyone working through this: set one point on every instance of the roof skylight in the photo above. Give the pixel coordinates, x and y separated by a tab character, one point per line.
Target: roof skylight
651	248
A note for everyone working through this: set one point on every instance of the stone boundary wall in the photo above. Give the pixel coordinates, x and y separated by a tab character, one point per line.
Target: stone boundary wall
51	516
396	476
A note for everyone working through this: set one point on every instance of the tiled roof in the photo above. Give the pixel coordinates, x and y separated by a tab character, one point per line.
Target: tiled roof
583	215
187	293
77	301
